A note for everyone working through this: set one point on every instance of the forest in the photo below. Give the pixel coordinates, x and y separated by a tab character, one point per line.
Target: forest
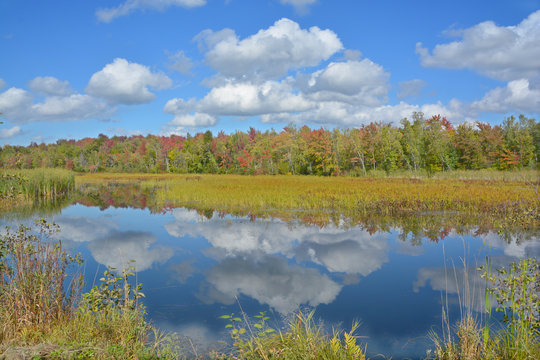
418	144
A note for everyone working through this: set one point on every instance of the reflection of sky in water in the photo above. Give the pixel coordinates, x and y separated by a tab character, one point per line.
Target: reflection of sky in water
194	270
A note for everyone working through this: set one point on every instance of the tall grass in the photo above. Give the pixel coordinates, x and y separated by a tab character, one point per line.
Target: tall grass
516	291
34	270
43	314
39	183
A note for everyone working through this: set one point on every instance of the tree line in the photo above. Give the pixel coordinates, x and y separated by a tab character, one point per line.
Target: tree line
431	145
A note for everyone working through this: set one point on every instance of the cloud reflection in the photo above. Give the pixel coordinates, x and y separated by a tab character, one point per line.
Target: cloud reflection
110	246
352	251
271	281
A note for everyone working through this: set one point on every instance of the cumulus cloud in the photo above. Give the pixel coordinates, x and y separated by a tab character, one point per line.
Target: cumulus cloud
274	282
247	99
73	107
310	96
410	88
109	14
118	248
9	133
254	79
17	105
517	95
271	52
344	114
14	104
193	120
501	52
49	85
122	82
356	82
2	83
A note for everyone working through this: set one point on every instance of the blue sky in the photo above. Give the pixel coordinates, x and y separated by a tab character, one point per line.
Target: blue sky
74	68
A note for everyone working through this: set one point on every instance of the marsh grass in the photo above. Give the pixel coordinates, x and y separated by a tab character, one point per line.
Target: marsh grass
494	200
25	191
37	183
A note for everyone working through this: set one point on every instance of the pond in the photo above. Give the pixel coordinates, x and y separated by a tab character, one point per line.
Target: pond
196	266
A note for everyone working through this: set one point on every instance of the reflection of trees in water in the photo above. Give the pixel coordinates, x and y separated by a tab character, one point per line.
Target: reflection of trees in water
116	195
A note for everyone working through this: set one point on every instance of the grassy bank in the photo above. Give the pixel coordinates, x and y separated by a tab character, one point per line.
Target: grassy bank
492	200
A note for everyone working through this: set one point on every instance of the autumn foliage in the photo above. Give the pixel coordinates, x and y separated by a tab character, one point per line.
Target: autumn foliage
432	145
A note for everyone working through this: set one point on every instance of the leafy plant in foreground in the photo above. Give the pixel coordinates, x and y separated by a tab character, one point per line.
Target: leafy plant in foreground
303	340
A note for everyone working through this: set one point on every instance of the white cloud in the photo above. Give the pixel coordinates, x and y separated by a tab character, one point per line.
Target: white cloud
353	55
49	85
9	133
180	62
357	82
73	107
410	88
122	82
505	53
270	53
2	83
247	99
128	6
517	95
17	106
300	5
14	104
323	95
343	114
194	120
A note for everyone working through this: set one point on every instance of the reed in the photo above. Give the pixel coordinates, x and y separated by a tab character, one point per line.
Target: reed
36	183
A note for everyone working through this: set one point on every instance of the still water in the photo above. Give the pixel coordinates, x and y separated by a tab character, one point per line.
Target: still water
195	268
